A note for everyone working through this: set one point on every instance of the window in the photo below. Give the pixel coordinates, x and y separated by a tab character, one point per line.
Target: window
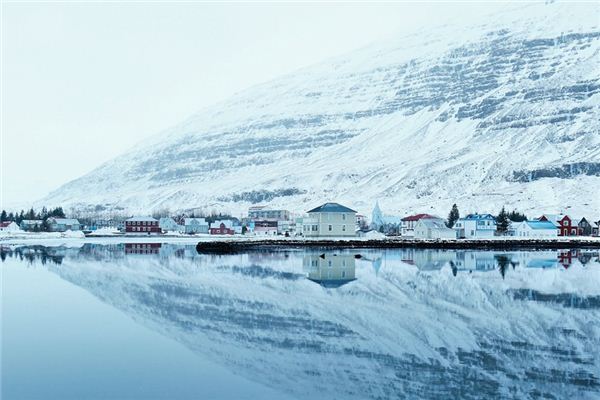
343	228
329	263
344	217
330	228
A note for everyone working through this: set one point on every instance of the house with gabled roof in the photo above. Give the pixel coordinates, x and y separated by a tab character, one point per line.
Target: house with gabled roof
63	224
535	229
475	226
142	225
330	220
564	224
433	228
409	223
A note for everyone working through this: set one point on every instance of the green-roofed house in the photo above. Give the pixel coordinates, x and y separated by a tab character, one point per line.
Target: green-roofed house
330	220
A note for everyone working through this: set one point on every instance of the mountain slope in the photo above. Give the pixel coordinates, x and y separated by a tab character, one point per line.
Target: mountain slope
504	112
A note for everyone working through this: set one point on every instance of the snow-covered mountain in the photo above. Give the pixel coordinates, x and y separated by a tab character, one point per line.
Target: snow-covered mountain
504	111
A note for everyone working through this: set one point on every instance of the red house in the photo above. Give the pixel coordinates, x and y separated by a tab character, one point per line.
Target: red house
221	228
563	223
142	225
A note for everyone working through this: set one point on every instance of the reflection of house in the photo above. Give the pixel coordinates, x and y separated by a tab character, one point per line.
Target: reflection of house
475	226
63	224
330	270
565	257
535	229
142	225
9	226
433	228
476	260
195	225
142	248
330	220
409	223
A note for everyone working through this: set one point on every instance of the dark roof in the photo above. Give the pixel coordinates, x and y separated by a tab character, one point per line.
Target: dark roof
331	207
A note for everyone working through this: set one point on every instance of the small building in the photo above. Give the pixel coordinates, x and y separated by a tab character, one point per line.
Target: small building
264	213
585	228
408	224
195	225
330	220
535	229
433	228
596	228
142	225
222	227
266	227
31	224
475	226
63	224
168	224
564	224
9	226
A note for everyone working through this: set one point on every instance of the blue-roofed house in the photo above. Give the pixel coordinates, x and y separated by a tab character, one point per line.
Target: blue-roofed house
330	220
536	229
475	226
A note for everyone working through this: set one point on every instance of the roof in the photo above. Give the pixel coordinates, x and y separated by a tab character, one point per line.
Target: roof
435	223
478	217
66	221
4	224
140	219
417	217
188	221
540	224
331	207
32	221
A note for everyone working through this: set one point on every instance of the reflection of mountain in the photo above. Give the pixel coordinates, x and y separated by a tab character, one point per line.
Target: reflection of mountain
399	333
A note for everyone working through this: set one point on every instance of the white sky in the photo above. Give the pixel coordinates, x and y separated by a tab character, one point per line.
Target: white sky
83	82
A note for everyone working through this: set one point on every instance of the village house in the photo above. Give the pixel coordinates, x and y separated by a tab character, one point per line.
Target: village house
330	220
103	223
596	228
168	224
433	228
475	226
409	223
9	226
222	227
564	224
535	229
265	227
330	270
195	225
264	213
142	225
63	224
585	228
31	224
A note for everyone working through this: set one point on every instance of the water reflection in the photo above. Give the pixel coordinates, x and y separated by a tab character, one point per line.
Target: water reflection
404	328
330	270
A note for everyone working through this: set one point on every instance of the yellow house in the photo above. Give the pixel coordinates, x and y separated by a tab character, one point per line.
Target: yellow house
330	220
331	270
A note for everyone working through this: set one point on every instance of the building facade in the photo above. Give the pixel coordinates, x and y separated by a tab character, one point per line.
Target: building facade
195	225
433	228
330	220
535	230
409	223
264	213
142	225
475	226
63	224
223	227
564	224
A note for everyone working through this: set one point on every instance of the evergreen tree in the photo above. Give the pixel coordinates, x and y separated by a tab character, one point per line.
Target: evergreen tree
502	221
21	217
453	216
503	263
3	216
11	216
516	216
58	212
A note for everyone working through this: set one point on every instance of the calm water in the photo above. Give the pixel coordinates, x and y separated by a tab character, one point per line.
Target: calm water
142	321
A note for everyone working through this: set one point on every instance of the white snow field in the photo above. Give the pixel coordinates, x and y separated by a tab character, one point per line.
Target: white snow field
503	112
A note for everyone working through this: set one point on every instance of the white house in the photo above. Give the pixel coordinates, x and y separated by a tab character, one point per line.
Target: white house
433	228
475	226
9	226
168	224
535	229
195	225
409	223
330	220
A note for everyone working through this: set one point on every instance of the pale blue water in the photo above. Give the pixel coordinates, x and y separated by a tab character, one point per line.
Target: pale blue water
161	321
